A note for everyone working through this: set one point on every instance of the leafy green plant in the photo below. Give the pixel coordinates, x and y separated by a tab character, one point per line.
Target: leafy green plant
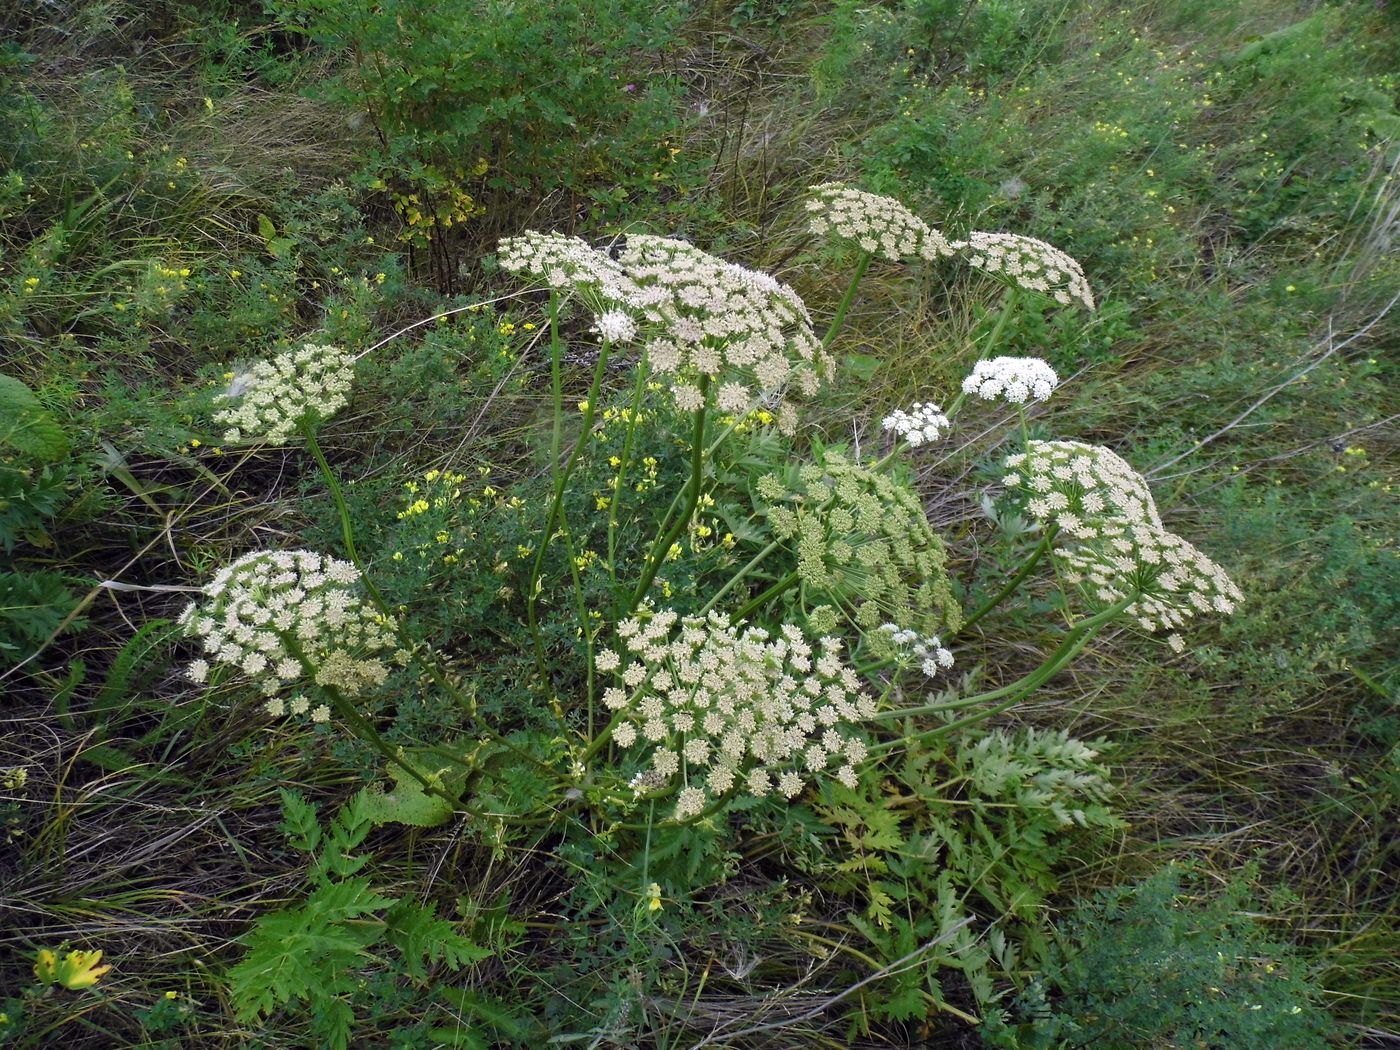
977	824
472	107
1157	964
316	953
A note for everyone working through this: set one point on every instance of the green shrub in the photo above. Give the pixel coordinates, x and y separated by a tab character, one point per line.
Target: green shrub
473	107
1156	965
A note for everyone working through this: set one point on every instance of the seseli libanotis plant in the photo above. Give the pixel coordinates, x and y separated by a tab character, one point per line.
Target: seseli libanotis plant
682	674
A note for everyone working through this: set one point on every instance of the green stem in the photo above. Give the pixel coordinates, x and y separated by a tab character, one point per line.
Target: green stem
366	732
993	343
840	319
991	712
763	599
1073	642
626	459
740	576
1015	581
561	473
692	500
994	339
346	529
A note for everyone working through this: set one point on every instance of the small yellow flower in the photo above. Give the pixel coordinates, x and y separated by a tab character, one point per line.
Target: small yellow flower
195	442
654	897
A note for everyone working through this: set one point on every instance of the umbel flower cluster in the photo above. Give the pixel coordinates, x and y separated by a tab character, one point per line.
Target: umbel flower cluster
1029	264
1081	489
568	264
286	620
715	330
923	423
863	543
929	653
1175	580
742	329
1114	542
723	708
272	398
875	224
1014	379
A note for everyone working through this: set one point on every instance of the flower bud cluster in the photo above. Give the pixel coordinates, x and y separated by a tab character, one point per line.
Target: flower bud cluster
286	620
930	653
863	542
1014	379
274	397
741	329
1030	264
1080	487
879	225
722	708
924	422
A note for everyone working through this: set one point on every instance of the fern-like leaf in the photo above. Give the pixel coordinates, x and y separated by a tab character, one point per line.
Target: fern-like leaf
422	939
300	821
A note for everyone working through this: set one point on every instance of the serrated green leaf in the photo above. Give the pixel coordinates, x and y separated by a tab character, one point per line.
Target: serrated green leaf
26	425
300	821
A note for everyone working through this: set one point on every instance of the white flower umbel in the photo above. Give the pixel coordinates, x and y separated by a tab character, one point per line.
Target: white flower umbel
721	708
615	326
928	652
287	620
923	423
1175	579
742	329
1112	540
273	397
1080	488
1029	264
1014	379
879	225
567	264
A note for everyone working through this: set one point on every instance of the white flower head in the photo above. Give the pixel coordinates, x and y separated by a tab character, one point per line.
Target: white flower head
1174	581
718	705
738	332
1013	379
286	618
1079	487
876	224
568	264
924	423
614	326
272	398
1030	264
